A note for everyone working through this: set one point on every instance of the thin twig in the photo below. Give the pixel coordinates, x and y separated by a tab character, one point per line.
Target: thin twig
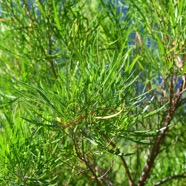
102	176
168	178
131	183
110	116
58	119
86	161
51	61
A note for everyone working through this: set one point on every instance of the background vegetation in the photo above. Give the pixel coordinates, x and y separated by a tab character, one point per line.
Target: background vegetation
92	92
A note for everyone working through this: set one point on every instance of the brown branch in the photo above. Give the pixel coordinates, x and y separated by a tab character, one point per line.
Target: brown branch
131	183
168	178
93	168
159	140
51	61
53	69
86	161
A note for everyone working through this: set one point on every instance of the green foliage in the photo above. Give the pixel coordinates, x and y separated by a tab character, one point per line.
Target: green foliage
85	103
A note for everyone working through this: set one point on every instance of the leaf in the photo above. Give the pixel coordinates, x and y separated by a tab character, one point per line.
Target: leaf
56	18
131	67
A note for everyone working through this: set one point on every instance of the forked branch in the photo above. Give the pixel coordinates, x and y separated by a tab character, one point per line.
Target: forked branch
174	102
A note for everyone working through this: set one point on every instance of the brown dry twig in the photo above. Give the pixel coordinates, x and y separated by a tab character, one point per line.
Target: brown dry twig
58	119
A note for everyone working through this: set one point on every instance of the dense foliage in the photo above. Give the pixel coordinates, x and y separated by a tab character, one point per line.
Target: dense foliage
92	92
